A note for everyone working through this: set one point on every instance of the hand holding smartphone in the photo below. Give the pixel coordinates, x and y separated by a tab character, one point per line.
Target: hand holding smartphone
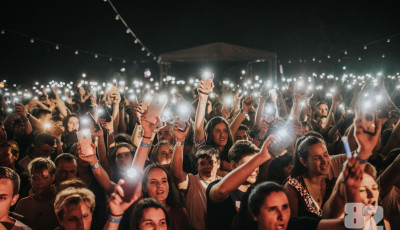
207	79
89	122
104	114
85	141
131	182
156	107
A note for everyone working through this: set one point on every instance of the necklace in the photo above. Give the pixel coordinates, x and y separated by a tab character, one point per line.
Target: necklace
316	194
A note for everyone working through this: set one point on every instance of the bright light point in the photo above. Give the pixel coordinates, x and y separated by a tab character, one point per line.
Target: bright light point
282	133
122	69
243	72
84	75
131	173
228	100
187	88
85	121
47	125
86	132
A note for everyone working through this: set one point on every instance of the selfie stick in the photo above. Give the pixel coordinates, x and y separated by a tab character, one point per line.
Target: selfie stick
346	146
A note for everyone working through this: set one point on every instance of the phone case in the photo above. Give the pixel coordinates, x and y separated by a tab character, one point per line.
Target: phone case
85	142
156	106
92	122
105	115
368	123
183	119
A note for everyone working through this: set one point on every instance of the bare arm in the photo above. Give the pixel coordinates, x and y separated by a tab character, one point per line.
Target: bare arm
200	113
293	201
335	102
99	173
389	178
177	159
238	176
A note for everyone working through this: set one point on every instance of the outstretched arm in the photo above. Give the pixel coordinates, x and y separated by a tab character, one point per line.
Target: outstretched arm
238	176
177	159
200	112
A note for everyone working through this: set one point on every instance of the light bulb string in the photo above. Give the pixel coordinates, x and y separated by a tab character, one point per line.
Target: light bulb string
67	47
137	40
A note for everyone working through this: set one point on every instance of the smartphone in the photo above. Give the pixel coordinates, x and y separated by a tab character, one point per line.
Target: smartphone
269	110
89	122
276	148
368	122
131	181
85	141
207	78
114	90
183	121
156	107
104	114
51	94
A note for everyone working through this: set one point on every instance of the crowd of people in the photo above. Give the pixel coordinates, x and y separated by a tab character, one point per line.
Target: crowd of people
202	155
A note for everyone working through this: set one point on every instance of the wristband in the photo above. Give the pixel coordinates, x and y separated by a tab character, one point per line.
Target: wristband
95	166
178	143
110	133
113	219
28	115
242	111
27	119
58	141
144	145
362	161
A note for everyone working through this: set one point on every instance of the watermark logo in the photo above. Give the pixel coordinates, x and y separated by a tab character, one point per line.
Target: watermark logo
355	213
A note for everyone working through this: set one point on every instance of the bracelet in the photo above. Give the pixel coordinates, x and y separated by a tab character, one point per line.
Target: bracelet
95	166
113	219
110	133
179	143
144	145
362	161
242	111
27	119
58	141
28	115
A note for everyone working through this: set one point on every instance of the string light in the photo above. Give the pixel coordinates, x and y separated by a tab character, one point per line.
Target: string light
32	40
96	56
57	47
76	52
128	30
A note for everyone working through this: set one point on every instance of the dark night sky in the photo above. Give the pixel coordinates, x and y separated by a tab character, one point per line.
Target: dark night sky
292	29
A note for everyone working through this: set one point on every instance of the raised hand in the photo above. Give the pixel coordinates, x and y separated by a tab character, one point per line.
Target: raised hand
148	127
91	159
366	142
117	205
180	136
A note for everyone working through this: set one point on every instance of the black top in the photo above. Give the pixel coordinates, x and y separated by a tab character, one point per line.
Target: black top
303	222
220	215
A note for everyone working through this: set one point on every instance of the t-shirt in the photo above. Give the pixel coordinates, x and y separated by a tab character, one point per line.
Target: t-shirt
303	222
220	215
196	203
19	225
38	215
